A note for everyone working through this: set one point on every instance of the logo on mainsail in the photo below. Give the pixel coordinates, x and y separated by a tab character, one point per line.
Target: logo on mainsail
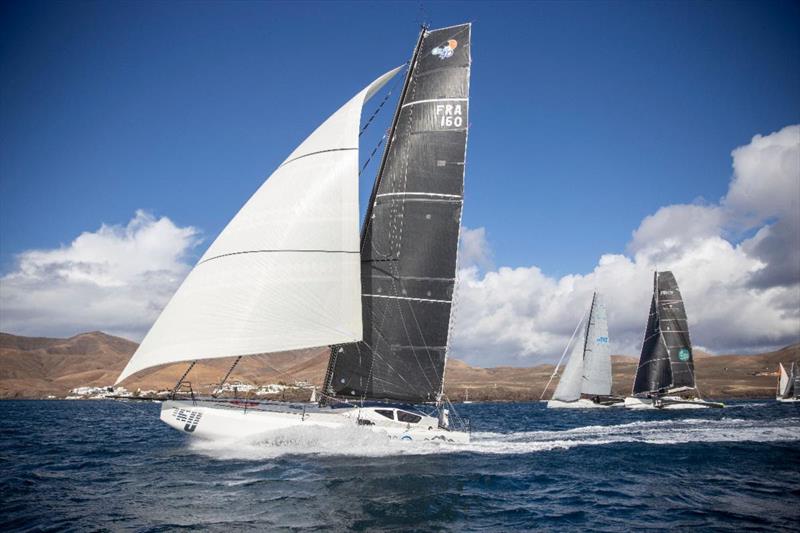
602	340
683	354
445	51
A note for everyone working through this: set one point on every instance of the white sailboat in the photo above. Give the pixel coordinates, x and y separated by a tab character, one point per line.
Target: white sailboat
665	375
466	397
788	383
290	272
586	381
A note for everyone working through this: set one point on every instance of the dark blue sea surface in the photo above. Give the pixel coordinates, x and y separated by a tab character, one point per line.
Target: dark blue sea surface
104	465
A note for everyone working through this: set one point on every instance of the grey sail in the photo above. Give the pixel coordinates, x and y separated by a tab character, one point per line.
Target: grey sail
597	355
790	389
569	386
666	362
410	235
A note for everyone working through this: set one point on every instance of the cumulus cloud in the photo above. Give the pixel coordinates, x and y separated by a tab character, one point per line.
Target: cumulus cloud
740	296
115	279
474	249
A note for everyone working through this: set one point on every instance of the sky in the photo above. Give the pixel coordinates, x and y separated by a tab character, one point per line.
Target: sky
607	139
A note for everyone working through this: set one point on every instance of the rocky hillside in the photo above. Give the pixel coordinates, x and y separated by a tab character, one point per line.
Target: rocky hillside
33	367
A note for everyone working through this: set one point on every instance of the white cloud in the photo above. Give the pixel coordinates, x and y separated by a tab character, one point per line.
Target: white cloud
116	279
739	296
474	249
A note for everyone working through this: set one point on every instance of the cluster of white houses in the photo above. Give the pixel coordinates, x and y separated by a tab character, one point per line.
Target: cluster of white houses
234	388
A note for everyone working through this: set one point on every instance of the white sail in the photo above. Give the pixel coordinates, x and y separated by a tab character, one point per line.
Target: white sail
285	273
783	385
597	355
569	386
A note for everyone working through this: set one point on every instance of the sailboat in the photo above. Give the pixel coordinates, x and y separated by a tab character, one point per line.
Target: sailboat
665	375
290	271
788	383
586	381
466	397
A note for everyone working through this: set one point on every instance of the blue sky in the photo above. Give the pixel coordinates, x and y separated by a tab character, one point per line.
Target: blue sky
586	117
596	111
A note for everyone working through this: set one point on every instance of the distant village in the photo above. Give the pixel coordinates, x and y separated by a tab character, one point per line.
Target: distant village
232	389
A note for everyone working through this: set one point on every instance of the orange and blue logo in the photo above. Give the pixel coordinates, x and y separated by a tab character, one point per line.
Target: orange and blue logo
445	51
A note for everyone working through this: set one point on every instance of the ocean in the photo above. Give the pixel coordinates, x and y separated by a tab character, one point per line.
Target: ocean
105	465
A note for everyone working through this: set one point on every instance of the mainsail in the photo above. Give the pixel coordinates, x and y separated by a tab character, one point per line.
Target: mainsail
788	381
588	370
284	274
410	236
666	363
596	380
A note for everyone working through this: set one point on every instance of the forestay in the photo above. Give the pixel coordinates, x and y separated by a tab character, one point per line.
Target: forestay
284	274
410	239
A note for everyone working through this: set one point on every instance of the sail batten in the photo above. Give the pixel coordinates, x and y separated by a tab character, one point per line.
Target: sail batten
410	235
284	274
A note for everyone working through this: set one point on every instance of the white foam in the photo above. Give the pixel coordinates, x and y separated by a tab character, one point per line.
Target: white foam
358	441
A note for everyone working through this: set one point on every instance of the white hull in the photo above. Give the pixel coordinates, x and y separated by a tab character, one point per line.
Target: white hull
582	403
668	402
788	400
217	420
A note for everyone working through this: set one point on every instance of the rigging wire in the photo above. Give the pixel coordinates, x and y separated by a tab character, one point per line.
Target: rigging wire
380	106
227	375
569	343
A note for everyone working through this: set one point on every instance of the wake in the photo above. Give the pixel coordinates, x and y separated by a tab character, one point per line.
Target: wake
362	442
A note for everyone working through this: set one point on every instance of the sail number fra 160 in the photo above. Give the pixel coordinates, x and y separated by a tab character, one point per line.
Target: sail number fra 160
449	115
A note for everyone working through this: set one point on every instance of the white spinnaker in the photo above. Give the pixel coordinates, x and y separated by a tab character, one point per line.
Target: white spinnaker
569	386
285	273
597	358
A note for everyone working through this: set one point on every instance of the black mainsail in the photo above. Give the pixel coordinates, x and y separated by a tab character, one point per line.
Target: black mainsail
666	363
410	236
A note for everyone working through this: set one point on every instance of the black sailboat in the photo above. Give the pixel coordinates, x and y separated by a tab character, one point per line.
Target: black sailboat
665	376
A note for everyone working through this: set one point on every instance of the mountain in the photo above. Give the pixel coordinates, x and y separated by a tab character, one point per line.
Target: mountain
33	367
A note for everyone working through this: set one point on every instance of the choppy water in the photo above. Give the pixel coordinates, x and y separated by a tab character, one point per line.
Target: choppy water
110	465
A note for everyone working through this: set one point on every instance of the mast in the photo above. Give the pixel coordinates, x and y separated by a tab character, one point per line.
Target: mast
588	326
392	130
335	350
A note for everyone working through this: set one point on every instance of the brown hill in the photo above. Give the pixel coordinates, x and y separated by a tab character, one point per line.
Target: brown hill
37	366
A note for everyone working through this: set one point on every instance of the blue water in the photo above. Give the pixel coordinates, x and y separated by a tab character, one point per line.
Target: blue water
102	465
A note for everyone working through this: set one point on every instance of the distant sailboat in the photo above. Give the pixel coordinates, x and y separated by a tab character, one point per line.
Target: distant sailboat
665	376
466	396
289	272
788	383
586	381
